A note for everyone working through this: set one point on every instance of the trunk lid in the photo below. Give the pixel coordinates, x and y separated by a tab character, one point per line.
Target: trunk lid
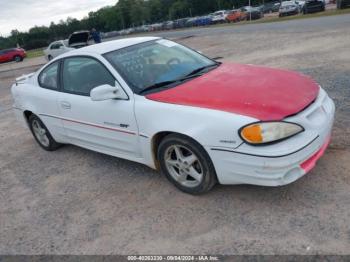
79	39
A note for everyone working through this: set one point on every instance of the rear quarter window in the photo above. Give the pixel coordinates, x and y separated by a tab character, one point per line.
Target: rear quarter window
48	78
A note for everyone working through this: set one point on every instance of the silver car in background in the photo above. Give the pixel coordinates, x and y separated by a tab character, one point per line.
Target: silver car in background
289	8
75	40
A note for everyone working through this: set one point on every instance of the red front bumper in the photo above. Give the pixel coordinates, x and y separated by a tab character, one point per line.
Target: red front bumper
311	162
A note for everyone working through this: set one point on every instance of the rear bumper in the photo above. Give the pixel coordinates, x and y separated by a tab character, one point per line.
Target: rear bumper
278	164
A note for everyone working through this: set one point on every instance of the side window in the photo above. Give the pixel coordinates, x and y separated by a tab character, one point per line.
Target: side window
48	78
81	74
56	46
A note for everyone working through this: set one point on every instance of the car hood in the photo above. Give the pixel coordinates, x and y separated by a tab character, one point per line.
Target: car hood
254	91
78	38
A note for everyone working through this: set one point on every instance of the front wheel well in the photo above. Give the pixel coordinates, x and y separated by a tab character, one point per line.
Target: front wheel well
157	139
27	114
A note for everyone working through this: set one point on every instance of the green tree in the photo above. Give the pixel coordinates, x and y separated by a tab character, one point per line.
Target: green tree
179	9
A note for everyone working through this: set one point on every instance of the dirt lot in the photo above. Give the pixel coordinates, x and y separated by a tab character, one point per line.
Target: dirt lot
75	201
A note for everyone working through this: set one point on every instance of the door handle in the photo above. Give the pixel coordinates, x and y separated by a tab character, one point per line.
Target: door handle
65	105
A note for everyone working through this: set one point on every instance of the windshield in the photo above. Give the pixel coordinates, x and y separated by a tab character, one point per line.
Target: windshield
152	63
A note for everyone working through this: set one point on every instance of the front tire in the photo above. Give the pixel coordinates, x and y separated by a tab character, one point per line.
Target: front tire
186	164
42	134
17	59
49	57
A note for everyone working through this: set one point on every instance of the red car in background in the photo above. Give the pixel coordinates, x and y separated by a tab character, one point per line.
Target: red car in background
236	16
13	54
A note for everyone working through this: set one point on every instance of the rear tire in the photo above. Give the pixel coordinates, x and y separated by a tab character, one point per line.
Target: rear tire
186	164
49	57
42	134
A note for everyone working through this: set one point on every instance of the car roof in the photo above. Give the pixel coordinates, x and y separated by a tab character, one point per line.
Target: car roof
9	49
110	46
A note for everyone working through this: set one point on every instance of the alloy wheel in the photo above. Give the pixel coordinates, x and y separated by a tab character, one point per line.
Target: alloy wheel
40	133
183	165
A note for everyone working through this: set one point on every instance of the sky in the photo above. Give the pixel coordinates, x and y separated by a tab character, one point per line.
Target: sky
24	14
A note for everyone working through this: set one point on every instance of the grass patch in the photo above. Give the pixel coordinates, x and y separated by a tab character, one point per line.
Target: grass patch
35	53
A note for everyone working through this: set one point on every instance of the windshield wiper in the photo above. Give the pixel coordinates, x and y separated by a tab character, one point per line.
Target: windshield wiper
158	85
196	71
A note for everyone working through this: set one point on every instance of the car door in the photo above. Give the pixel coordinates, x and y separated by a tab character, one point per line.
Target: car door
44	100
106	126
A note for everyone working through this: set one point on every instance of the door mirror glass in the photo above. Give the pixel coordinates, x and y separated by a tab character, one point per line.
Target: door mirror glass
106	92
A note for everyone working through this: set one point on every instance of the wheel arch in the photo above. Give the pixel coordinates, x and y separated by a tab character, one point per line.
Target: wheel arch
158	138
27	114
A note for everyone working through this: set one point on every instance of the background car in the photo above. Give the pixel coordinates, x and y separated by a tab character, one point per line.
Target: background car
220	16
301	4
168	25
343	4
155	27
271	7
312	6
236	16
76	40
13	54
289	8
252	13
276	7
57	48
191	22
180	23
203	20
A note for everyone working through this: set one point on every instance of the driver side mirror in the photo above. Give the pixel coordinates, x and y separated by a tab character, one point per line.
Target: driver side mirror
106	92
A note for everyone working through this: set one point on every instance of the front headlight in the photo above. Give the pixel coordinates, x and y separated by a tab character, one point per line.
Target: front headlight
268	132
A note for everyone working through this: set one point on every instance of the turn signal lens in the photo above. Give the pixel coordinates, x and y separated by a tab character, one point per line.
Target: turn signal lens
252	133
269	132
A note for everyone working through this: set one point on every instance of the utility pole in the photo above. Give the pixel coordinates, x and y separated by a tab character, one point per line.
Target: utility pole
250	12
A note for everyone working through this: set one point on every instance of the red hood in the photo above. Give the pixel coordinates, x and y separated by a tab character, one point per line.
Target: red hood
255	91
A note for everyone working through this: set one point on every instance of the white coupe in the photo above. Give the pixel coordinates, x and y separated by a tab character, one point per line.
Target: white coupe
199	121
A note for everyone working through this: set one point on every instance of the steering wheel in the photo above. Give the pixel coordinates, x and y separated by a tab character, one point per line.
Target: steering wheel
172	61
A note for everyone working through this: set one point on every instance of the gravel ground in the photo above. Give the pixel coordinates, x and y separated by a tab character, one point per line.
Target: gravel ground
74	201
